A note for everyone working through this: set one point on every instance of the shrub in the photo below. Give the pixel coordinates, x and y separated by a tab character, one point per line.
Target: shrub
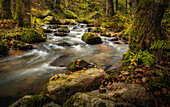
3	48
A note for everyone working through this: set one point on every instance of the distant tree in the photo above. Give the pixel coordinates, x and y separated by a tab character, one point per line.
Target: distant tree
109	8
116	2
126	7
23	15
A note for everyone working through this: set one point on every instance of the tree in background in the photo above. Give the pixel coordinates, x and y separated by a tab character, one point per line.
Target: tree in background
23	15
146	27
116	2
109	8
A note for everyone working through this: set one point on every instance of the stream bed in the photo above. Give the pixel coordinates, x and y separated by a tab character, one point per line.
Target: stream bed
29	72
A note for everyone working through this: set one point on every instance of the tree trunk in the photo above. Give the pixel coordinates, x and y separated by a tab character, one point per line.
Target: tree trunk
55	1
146	27
109	8
26	13
19	16
133	5
126	8
116	1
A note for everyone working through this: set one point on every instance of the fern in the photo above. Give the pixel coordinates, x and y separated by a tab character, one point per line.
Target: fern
161	44
147	58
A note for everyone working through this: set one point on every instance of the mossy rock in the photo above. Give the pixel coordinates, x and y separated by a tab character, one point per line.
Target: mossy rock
31	36
70	15
64	29
68	22
47	31
98	30
52	20
3	48
44	13
91	38
78	64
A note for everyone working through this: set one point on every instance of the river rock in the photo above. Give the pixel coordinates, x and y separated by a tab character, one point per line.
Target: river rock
79	64
91	38
135	94
60	34
63	44
52	20
67	85
47	31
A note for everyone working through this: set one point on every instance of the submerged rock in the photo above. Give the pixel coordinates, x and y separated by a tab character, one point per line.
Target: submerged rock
63	44
60	34
67	85
91	38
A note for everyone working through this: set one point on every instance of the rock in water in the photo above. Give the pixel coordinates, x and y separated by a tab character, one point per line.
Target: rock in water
67	85
91	38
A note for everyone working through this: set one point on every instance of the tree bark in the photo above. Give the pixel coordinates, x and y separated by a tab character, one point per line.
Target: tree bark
116	1
109	8
26	13
19	16
126	8
146	27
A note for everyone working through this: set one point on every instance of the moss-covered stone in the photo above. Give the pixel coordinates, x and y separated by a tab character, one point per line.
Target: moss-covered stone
52	20
64	29
91	38
31	36
78	64
3	48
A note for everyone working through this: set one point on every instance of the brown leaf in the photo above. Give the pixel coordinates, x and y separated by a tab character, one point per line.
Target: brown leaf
164	91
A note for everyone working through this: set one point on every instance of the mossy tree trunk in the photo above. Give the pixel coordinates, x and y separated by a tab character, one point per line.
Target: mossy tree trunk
27	13
109	8
116	2
146	27
126	7
19	16
23	15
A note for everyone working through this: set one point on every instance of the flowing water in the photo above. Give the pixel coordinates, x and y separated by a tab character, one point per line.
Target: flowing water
28	73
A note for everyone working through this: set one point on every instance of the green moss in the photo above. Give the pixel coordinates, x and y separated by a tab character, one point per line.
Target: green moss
91	38
72	99
36	101
31	36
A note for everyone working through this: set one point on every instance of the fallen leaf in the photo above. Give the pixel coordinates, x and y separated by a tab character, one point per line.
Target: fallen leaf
164	91
157	93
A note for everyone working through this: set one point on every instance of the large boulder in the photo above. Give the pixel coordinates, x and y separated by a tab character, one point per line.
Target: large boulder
52	20
64	85
91	38
114	95
91	99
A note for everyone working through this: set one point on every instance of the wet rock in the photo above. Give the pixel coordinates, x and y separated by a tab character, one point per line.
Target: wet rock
79	64
67	85
91	38
64	29
47	31
60	34
90	29
63	44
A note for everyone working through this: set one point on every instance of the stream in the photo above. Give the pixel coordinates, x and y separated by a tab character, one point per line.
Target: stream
29	72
